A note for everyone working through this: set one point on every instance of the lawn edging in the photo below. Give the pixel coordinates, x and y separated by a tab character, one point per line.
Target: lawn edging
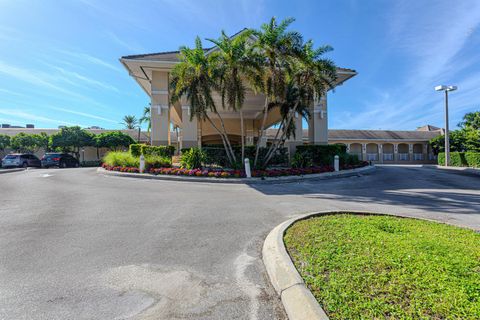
472	170
297	299
325	175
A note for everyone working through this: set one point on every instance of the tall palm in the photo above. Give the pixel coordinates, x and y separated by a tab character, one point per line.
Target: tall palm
146	118
195	78
308	78
278	46
236	62
130	122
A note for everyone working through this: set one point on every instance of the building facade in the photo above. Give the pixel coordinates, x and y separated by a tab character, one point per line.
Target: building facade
151	72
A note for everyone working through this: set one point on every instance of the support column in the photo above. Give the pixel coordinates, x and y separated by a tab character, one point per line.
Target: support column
189	129
160	109
395	152
425	152
318	123
364	151
249	132
410	151
293	142
380	152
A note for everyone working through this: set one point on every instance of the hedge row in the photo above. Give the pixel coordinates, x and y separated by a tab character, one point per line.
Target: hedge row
216	155
461	159
162	151
322	155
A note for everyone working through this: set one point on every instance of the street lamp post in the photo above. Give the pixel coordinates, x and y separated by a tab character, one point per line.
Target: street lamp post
447	137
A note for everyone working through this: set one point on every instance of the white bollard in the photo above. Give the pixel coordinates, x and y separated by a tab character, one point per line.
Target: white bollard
142	163
248	173
336	163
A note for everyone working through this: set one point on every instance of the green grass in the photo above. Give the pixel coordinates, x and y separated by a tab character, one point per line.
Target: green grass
378	267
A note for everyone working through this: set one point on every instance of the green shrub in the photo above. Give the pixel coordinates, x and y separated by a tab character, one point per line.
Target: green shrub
193	158
216	155
349	159
157	162
323	154
301	160
119	158
461	159
163	151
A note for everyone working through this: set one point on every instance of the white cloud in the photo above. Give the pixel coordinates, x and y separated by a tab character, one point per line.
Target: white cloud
432	39
33	117
46	80
92	82
83	114
91	59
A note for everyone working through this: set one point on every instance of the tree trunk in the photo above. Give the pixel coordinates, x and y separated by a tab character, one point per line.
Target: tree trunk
265	113
226	138
243	138
223	139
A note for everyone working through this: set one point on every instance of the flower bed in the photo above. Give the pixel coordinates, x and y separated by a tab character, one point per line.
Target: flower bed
225	173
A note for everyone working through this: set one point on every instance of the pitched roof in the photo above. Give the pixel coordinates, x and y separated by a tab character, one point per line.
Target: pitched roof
428	127
381	135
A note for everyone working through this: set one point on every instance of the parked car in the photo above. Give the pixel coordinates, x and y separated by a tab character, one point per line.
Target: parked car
20	160
61	160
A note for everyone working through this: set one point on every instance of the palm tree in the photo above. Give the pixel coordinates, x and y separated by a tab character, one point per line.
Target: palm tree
130	122
308	78
278	47
146	118
195	78
236	62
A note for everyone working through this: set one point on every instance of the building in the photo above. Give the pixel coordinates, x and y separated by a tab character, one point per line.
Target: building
151	72
88	154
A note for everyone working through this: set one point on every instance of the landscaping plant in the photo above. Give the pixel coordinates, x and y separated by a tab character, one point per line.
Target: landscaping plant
193	158
384	267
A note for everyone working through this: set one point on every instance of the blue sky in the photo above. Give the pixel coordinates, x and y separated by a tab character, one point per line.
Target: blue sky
59	59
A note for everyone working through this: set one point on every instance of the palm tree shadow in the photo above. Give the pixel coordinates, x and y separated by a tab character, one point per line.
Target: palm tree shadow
418	188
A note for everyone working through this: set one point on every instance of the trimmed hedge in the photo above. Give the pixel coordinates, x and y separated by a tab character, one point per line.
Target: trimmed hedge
322	155
216	155
461	159
162	151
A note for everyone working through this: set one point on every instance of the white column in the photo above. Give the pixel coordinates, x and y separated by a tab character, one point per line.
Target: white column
380	152
160	112
410	151
189	129
318	123
364	151
395	152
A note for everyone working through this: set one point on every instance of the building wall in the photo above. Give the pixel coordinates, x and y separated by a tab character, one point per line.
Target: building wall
390	152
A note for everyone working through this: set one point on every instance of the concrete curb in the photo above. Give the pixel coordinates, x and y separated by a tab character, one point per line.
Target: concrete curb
11	170
298	301
317	176
458	169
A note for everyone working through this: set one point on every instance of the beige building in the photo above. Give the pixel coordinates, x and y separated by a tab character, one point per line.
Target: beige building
388	147
88	154
151	72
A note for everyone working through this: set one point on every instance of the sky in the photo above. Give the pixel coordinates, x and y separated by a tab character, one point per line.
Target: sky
59	60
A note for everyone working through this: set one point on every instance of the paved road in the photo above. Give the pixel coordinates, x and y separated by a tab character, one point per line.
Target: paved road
78	245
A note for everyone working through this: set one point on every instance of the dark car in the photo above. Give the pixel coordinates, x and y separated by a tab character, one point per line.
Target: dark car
20	160
61	160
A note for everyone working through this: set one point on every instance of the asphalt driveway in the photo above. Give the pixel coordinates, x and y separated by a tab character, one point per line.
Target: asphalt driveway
78	245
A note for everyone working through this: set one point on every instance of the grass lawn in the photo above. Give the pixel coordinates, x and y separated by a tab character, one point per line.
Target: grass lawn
378	267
